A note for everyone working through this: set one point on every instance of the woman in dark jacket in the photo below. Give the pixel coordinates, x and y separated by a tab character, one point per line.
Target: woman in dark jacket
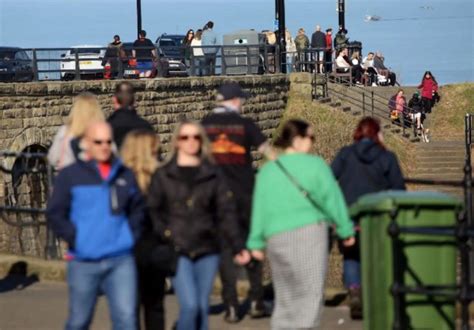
364	167
191	206
186	44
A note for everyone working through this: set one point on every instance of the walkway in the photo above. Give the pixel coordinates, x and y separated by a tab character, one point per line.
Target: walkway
43	306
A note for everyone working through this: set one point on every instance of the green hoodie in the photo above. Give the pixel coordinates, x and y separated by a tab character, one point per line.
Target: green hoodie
279	206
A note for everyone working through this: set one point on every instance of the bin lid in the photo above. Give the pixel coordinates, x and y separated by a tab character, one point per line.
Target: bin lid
388	200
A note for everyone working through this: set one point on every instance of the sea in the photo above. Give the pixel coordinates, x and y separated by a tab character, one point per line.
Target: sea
413	35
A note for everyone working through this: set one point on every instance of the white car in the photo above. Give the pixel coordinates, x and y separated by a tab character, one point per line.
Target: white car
90	62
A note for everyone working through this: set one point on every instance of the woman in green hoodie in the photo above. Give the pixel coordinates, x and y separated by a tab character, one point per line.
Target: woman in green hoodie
294	198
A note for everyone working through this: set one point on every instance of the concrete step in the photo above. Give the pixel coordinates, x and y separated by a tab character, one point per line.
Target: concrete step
444	161
435	176
439	169
447	154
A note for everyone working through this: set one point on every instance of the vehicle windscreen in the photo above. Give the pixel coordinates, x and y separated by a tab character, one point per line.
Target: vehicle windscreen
6	55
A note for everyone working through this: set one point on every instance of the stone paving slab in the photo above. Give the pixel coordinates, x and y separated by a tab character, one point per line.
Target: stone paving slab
43	306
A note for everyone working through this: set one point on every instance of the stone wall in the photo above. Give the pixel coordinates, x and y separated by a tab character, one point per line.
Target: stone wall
31	113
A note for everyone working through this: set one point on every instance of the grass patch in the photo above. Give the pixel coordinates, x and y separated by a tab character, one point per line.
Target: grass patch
447	119
334	129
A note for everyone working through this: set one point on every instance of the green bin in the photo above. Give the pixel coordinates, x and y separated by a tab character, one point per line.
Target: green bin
428	260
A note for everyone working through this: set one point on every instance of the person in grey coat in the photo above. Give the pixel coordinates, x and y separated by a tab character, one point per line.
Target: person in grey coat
209	38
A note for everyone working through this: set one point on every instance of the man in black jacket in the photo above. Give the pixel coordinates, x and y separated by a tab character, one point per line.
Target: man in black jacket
125	118
318	41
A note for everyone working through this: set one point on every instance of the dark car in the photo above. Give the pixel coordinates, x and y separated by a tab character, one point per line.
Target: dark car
15	65
170	46
130	69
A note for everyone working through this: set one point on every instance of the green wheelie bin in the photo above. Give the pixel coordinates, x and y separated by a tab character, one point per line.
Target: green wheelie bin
423	261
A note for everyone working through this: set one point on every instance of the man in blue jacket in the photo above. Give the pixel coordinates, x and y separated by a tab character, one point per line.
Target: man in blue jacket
97	209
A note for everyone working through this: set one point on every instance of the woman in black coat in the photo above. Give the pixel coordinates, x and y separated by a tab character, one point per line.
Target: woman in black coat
192	207
362	168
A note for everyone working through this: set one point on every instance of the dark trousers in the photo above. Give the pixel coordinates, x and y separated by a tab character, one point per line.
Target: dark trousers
209	65
328	61
152	293
228	272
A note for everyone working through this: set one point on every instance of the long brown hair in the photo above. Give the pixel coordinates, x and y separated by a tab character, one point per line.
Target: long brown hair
140	153
368	128
206	151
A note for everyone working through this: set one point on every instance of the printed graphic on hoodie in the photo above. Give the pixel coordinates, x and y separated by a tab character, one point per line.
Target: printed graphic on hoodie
227	146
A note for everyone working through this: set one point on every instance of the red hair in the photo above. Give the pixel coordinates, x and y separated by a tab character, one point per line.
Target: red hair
368	128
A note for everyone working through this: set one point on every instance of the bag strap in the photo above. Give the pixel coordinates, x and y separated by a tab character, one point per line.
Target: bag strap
295	182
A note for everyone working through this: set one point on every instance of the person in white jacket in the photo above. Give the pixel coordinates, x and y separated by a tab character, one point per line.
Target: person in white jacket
290	51
198	54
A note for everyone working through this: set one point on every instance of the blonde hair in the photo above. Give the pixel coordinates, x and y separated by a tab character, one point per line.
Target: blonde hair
205	153
139	153
355	55
85	110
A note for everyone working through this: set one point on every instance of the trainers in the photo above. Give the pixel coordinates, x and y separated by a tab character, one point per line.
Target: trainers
257	309
355	303
231	315
374	85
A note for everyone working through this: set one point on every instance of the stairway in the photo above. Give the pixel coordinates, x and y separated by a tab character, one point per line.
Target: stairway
440	160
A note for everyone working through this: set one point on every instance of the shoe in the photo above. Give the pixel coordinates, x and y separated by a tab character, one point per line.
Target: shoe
355	303
231	315
257	309
374	85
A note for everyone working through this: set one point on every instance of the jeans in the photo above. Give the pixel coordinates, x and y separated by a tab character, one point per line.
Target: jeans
116	277
351	273
193	285
289	63
209	68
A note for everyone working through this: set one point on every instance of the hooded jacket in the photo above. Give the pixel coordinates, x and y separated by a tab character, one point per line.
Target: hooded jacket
124	121
98	218
365	167
196	217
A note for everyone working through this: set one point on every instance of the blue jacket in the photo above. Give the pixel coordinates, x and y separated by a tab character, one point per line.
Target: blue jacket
97	218
209	38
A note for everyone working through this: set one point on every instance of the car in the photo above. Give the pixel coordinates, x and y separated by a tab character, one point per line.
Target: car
15	65
90	62
170	47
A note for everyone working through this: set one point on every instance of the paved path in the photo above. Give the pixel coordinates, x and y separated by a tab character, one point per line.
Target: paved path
43	306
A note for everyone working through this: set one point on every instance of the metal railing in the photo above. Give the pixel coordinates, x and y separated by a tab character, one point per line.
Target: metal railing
9	206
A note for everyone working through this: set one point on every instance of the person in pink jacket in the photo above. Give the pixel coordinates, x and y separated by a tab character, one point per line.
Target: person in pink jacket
428	87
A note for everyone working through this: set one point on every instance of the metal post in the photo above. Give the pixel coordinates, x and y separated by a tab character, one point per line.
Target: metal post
77	68
281	42
139	17
35	66
372	101
341	10
363	104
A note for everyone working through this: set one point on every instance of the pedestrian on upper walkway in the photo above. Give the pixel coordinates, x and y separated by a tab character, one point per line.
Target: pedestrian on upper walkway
329	51
191	206
232	139
140	153
294	197
65	148
209	39
114	56
302	45
125	117
318	43
97	208
428	86
364	167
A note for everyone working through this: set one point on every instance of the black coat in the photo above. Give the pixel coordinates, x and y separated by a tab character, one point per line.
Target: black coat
318	40
197	218
365	167
124	121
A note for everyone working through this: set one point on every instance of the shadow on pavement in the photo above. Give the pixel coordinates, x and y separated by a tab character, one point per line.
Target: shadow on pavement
17	278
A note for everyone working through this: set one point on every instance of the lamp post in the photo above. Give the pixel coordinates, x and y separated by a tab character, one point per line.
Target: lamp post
139	17
281	41
341	7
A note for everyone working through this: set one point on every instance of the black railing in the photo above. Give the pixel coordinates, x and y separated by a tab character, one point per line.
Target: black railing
31	163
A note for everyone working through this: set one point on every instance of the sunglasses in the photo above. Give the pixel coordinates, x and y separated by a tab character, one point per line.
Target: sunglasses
190	137
100	142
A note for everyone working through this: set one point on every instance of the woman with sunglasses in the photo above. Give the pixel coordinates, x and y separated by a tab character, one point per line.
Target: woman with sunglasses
294	197
192	207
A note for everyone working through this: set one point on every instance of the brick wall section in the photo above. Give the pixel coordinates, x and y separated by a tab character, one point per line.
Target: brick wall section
31	113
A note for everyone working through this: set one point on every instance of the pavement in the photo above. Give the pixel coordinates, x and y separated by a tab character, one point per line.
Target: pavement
43	306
